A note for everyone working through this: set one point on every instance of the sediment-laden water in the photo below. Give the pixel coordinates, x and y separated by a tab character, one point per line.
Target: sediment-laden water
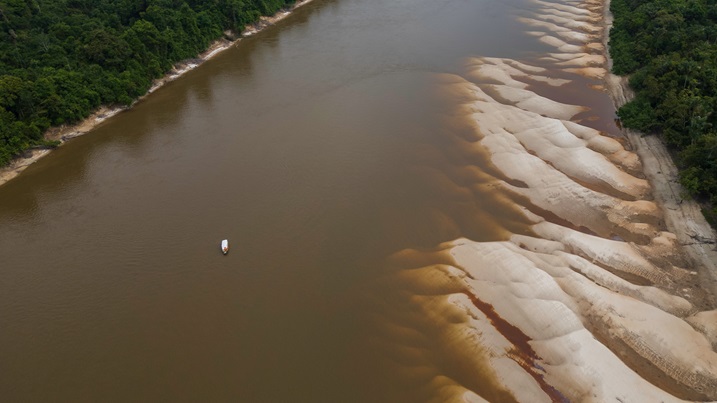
426	201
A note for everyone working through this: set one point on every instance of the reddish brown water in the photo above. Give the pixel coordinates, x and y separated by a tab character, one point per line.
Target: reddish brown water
300	146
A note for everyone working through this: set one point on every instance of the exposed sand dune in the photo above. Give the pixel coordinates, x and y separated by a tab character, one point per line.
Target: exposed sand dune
597	300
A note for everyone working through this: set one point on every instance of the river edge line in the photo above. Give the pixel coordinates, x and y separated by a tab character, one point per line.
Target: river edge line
64	133
683	215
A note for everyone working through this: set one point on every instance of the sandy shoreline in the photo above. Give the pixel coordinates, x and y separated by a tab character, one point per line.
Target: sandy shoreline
609	296
64	133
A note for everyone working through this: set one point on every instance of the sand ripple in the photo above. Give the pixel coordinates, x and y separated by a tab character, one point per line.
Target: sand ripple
594	301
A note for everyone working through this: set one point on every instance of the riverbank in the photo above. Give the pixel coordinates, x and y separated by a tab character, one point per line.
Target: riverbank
572	309
683	216
64	133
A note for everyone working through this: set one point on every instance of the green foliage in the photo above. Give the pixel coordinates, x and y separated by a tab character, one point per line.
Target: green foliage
670	49
638	115
60	59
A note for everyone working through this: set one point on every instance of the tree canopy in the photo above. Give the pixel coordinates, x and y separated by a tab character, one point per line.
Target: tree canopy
669	49
61	59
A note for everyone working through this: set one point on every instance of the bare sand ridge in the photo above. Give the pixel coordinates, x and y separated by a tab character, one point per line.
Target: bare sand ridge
597	300
66	132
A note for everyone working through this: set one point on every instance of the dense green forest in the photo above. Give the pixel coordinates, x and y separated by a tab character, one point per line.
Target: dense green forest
669	49
61	59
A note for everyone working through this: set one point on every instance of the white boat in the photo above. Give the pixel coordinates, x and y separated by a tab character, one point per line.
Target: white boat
225	246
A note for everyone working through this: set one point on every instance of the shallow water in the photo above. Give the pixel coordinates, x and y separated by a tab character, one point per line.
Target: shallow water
316	147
